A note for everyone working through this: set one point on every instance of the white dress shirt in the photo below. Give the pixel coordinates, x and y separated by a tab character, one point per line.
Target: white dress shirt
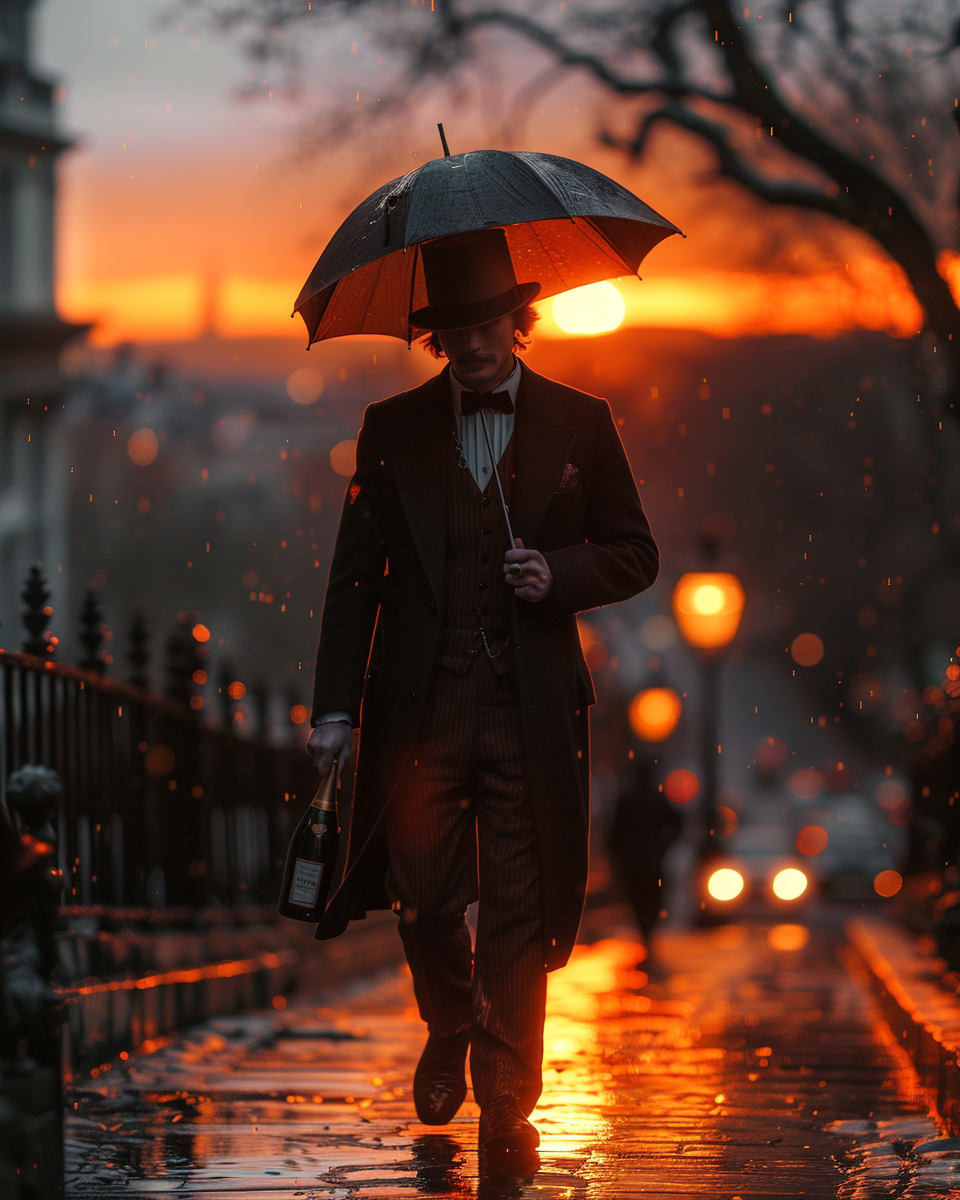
474	450
499	426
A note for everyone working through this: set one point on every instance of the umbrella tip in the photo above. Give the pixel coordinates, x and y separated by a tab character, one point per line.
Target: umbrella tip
443	140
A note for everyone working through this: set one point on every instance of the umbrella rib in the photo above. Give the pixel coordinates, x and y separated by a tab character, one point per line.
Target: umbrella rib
413	284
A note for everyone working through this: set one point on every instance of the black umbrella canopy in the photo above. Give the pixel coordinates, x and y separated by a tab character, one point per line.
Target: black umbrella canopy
566	225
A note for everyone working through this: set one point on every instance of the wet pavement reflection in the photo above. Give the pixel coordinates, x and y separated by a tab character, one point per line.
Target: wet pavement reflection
744	1063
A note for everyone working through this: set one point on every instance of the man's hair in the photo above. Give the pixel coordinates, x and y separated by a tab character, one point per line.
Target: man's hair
524	320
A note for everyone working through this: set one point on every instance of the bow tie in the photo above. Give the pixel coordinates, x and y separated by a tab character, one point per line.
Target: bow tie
472	402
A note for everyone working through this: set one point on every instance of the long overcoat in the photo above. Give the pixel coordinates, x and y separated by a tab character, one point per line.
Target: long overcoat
575	500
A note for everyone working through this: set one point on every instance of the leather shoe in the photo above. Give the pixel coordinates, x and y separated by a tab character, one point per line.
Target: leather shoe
440	1084
505	1133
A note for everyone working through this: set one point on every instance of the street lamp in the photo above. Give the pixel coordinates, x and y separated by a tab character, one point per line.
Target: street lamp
708	606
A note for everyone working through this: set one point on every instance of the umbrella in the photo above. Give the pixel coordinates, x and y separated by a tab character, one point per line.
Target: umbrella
566	225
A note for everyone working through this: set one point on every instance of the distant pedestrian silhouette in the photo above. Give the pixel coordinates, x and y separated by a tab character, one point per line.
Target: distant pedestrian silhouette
644	826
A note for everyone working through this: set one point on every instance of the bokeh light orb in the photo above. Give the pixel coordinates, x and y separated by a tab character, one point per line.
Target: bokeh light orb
681	786
305	385
888	883
789	884
806	649
343	457
143	446
658	632
299	714
201	633
725	884
654	713
812	840
788	937
596	308
806	784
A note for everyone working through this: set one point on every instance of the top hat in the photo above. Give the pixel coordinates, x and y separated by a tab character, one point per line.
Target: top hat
470	281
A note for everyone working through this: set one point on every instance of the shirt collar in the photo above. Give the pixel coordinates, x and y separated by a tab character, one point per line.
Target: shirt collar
511	385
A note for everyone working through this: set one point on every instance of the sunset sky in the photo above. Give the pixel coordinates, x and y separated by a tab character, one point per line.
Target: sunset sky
184	208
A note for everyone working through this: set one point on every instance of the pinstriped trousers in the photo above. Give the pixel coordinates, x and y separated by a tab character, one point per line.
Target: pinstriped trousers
462	828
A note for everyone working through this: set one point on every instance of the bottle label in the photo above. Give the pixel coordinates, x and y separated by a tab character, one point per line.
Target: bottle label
306	883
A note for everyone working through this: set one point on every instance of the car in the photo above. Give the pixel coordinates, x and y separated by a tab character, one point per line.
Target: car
757	862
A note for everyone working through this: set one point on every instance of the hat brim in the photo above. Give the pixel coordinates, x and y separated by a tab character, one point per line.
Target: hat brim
436	319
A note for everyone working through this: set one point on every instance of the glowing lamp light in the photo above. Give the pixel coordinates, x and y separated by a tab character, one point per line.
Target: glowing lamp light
681	786
654	713
596	308
201	633
789	884
708	606
725	884
236	690
298	714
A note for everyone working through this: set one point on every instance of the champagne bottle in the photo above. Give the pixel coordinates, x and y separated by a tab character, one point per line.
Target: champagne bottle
312	855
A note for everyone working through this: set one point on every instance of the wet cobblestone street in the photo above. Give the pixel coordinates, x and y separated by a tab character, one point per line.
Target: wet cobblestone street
738	1067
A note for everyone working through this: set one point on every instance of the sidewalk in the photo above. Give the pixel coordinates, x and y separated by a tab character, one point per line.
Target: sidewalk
922	1012
733	1070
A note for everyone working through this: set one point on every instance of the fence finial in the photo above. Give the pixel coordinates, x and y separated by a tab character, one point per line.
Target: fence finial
36	614
91	633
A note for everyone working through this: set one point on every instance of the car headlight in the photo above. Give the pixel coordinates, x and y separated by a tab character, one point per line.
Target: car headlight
789	884
725	884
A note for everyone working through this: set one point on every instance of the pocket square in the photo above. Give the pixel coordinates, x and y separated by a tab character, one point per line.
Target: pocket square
569	478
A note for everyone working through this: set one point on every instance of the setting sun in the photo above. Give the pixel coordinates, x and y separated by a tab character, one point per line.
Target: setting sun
596	308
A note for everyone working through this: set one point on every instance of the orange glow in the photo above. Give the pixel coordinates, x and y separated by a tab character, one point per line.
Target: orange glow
654	713
812	840
343	457
708	606
887	883
594	651
872	293
218	970
681	786
789	884
298	714
199	678
725	884
160	308
787	937
143	446
279	1002
596	308
236	690
201	633
806	649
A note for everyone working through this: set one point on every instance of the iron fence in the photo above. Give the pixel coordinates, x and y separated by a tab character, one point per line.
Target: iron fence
160	808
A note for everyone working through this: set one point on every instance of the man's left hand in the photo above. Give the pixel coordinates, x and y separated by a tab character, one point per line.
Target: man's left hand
533	580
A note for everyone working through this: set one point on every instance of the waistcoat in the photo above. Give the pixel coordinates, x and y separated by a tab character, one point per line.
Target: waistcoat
476	597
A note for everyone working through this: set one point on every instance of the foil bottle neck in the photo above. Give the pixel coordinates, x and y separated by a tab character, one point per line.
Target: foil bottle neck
326	797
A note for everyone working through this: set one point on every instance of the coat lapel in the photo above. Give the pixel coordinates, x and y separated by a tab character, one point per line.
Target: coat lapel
542	442
416	452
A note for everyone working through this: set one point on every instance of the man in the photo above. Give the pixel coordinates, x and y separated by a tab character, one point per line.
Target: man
460	659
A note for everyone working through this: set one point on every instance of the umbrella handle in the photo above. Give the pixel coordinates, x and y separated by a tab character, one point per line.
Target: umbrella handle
515	569
443	140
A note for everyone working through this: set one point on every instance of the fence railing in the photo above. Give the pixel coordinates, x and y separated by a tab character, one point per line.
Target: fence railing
160	809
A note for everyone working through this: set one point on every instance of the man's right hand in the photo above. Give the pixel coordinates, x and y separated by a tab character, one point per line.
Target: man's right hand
328	740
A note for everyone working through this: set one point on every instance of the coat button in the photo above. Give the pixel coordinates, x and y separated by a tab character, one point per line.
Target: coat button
411	698
486	499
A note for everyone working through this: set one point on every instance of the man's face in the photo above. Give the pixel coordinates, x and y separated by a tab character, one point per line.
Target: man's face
482	356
